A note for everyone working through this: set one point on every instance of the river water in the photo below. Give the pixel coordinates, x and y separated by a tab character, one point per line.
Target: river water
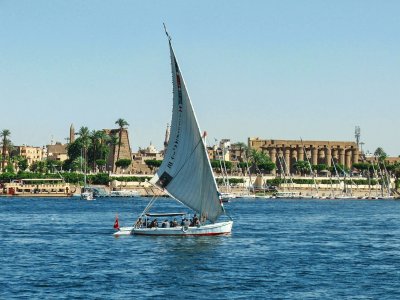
279	249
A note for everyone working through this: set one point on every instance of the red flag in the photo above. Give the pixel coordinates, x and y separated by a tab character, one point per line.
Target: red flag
116	224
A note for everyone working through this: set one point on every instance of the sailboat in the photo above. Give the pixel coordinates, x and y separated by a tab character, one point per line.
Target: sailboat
227	195
86	192
185	174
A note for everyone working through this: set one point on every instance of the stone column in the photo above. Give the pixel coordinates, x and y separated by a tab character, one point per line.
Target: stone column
341	156
272	154
300	153
314	155
321	155
335	154
355	156
293	159
328	156
279	163
287	160
348	158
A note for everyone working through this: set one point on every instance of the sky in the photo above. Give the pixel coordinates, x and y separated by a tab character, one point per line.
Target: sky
269	69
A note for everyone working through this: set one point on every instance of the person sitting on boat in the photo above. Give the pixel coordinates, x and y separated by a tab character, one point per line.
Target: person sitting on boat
174	223
195	221
154	223
138	223
165	224
185	222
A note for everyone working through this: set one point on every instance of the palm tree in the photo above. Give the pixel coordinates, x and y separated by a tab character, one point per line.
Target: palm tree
98	140
261	161
380	154
4	134
84	137
122	125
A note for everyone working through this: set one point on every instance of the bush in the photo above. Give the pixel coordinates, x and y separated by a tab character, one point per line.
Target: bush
123	163
153	163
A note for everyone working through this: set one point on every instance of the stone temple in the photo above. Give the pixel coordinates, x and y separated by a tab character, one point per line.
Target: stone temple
316	152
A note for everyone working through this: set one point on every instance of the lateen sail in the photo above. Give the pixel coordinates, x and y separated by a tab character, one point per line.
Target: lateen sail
186	171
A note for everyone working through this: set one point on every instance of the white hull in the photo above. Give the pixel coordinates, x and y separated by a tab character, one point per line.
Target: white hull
222	228
124	231
124	193
345	197
87	196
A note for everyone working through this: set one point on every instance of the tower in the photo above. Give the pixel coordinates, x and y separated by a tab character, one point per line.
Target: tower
357	134
167	133
72	134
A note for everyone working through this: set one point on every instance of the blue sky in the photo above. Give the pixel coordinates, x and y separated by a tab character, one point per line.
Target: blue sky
273	69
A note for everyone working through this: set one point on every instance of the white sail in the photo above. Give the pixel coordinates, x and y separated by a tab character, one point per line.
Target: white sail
186	172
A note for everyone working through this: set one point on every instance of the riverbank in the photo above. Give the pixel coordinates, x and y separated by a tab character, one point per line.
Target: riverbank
239	186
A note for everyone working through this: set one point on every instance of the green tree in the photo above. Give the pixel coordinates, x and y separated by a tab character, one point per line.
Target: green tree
85	141
123	163
153	163
39	167
261	161
380	154
98	148
5	142
302	167
22	164
53	165
362	166
320	167
101	163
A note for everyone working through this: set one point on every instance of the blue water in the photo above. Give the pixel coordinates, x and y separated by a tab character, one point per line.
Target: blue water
279	249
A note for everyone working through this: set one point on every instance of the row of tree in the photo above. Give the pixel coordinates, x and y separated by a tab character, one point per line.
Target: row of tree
89	151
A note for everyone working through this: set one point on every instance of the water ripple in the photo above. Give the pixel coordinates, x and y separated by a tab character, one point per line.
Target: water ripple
279	249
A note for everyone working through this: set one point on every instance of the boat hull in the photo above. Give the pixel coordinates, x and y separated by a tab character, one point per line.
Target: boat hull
123	231
222	228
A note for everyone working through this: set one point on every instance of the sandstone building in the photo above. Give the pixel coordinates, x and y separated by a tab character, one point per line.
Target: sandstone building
30	153
124	152
284	153
57	151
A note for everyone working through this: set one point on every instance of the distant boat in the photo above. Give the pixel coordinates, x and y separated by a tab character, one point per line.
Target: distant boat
38	187
287	195
124	193
226	197
86	192
185	174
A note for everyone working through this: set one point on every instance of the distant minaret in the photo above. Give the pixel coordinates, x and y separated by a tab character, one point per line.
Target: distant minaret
72	134
167	132
357	134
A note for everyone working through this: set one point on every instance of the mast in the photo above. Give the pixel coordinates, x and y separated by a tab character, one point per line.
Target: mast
186	173
311	170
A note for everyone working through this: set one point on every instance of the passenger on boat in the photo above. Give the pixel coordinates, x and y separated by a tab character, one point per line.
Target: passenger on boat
154	223
195	221
138	223
174	223
185	222
165	224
